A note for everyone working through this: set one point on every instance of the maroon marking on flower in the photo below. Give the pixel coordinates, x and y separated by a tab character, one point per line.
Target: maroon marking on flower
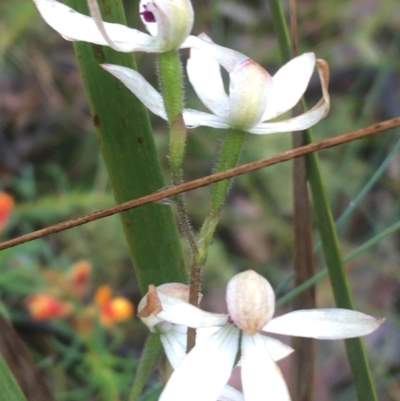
230	320
147	15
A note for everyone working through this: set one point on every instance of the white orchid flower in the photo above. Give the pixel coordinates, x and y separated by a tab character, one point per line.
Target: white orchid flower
155	311
251	302
254	96
168	21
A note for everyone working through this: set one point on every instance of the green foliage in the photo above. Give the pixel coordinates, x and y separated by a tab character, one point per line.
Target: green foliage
9	389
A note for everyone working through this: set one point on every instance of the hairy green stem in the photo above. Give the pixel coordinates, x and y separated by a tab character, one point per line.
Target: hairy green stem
229	157
171	80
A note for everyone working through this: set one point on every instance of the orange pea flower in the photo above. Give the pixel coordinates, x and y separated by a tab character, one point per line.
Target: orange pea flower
79	274
6	206
112	310
44	306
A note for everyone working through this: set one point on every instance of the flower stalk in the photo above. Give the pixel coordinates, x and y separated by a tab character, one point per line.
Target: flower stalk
171	80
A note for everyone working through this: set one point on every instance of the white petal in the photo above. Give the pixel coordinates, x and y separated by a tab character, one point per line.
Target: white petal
194	118
261	377
290	83
230	394
204	372
324	324
277	349
205	76
228	58
307	119
177	311
139	87
174	344
75	26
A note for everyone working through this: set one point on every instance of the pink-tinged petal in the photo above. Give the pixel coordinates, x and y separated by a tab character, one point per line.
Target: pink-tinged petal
174	344
177	311
205	76
230	394
170	21
79	27
194	118
204	372
228	58
307	119
139	87
249	89
324	324
290	83
261	377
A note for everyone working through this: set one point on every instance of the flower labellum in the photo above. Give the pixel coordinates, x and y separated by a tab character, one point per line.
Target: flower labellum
168	21
148	16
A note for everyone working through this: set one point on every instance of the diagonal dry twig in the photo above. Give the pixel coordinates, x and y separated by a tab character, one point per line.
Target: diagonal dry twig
201	182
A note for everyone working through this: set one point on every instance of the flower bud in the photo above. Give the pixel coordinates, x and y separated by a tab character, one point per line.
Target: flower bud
250	300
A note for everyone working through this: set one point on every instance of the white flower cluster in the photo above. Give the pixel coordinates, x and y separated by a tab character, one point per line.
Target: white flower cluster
254	95
202	374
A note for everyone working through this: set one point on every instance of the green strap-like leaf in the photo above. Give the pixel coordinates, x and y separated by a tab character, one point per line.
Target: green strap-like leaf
9	389
129	152
355	350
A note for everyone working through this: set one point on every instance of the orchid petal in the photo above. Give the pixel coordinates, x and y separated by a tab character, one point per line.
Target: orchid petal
277	349
261	377
230	394
173	21
139	87
250	87
212	360
307	119
228	58
79	27
194	118
174	344
177	311
324	324
290	83
205	76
